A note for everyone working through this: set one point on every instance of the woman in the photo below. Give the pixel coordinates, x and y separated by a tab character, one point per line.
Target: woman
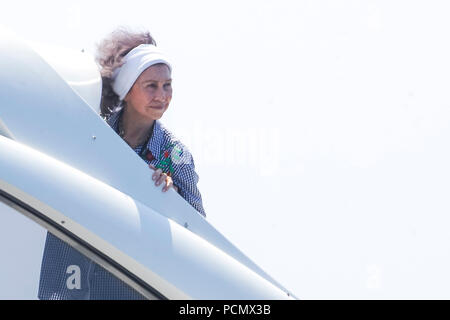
137	90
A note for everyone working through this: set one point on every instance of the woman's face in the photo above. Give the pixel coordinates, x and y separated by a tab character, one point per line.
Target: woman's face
150	95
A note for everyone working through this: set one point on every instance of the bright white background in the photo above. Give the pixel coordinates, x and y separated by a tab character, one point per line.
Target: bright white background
319	129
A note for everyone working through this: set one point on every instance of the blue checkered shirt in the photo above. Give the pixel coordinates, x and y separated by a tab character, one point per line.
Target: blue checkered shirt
172	157
165	152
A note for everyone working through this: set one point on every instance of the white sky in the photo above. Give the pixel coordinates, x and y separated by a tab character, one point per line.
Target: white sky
338	187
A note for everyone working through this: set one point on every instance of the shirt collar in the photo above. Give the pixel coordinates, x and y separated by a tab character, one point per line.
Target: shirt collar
154	144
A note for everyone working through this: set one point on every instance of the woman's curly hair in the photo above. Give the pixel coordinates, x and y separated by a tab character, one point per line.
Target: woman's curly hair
110	52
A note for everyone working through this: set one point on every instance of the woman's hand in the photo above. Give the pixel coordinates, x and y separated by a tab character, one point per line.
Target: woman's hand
159	177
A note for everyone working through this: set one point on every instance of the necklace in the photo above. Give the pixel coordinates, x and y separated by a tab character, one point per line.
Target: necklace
141	142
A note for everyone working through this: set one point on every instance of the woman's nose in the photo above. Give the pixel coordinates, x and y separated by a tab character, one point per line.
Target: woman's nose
161	95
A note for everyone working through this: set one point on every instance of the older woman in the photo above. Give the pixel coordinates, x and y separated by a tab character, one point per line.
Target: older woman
137	90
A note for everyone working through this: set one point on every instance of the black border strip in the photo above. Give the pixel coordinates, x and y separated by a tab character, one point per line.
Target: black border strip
85	248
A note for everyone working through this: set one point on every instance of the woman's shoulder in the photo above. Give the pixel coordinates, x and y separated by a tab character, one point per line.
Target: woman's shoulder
112	118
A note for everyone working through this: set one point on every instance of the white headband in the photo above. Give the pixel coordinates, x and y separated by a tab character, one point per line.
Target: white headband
136	61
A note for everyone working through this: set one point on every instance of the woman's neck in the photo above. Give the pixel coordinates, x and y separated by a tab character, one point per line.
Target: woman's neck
134	130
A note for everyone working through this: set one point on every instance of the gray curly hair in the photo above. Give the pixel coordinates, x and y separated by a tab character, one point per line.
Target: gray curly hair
110	52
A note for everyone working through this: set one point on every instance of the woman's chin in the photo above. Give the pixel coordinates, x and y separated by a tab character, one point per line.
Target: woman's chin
156	116
155	113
